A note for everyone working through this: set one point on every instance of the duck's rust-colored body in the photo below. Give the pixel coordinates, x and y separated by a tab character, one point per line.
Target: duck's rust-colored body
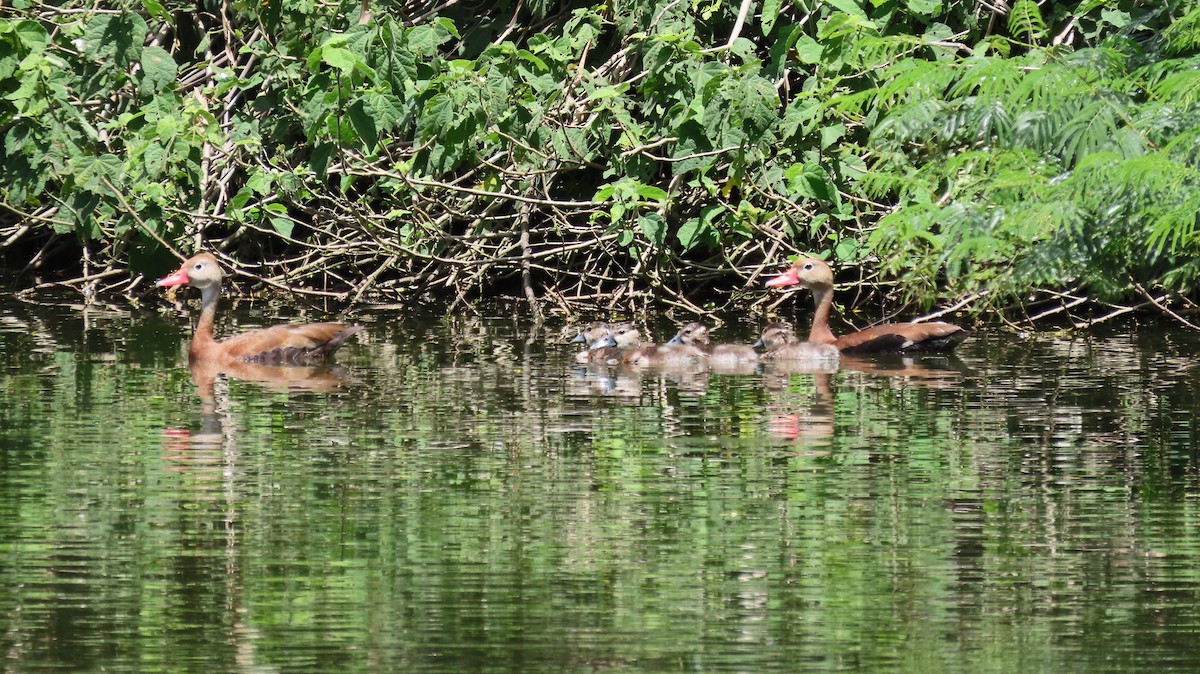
815	275
276	345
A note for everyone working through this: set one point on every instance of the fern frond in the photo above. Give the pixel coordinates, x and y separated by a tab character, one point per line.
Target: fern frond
1034	129
1026	19
988	78
883	180
1051	86
1150	75
1174	225
912	79
1146	190
1101	64
1181	88
1183	35
910	125
1092	129
993	121
1185	147
873	50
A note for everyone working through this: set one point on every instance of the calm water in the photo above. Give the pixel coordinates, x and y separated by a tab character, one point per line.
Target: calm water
458	496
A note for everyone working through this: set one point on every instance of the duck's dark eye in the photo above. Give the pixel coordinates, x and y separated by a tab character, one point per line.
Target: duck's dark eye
198	266
808	267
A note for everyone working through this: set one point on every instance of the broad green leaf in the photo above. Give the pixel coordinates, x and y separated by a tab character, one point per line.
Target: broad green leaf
437	114
91	170
812	182
239	201
654	227
605	92
448	26
385	109
847	250
770	12
815	225
426	40
616	213
340	58
279	219
260	182
31	34
319	159
158	69
153	158
924	7
831	134
701	228
336	40
115	38
364	124
851	7
651	193
808	50
689	233
1117	19
530	58
155	8
283	225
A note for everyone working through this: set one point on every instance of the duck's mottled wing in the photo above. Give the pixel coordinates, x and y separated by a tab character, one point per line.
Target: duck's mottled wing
903	337
282	344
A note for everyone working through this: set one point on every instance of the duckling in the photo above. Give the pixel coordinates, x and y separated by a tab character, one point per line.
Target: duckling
664	355
614	340
592	332
719	355
781	344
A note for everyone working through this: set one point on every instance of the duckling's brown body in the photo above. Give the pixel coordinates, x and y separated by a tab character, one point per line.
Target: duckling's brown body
720	356
664	355
612	341
623	346
781	345
593	332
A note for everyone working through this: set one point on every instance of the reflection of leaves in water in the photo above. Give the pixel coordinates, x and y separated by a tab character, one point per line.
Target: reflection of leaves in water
477	491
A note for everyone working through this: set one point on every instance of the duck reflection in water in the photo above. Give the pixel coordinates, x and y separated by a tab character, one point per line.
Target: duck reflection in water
322	378
924	370
809	422
217	429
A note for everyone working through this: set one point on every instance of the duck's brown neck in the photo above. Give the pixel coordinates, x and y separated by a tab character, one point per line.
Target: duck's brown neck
820	333
203	338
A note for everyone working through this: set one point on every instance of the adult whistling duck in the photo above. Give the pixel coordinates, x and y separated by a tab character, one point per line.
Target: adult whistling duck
814	274
278	345
780	345
719	355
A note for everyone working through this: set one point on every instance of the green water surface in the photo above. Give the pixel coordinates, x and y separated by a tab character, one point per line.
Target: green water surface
456	495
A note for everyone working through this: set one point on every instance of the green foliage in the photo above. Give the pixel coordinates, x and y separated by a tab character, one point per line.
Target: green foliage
1053	145
1053	168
